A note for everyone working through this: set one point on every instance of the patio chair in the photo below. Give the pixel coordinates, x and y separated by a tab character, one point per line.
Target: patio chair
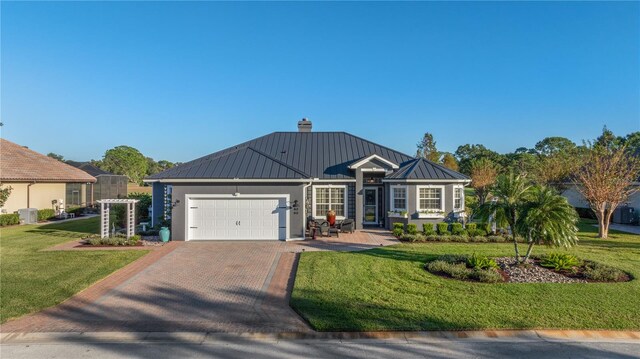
348	225
324	228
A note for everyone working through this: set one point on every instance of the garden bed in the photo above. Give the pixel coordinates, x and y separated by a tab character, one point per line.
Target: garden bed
118	240
553	268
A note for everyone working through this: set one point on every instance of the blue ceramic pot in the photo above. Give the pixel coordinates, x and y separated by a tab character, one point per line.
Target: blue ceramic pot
165	234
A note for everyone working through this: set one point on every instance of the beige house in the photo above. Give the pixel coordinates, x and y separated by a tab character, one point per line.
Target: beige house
38	180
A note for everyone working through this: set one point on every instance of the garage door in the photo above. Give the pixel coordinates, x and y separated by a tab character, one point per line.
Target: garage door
237	219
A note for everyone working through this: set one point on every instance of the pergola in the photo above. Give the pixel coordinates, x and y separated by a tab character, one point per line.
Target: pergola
105	204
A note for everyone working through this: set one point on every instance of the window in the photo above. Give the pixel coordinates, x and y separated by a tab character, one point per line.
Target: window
458	198
330	197
430	198
399	198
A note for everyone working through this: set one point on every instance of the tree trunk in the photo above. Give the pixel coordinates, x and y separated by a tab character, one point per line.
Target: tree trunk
601	224
515	242
526	257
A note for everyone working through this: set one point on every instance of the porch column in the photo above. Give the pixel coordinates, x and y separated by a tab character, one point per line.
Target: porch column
359	202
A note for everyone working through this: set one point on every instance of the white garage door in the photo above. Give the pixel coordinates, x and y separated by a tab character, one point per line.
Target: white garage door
237	219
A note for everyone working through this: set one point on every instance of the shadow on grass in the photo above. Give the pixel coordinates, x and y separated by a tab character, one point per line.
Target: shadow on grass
88	226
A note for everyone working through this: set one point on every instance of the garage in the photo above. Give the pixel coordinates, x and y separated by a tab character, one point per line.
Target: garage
237	218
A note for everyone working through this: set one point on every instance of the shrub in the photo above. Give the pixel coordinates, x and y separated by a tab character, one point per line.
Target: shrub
398	225
443	228
455	270
398	232
479	233
75	210
142	207
459	239
45	214
497	239
456	229
9	219
559	261
602	273
486	276
118	240
412	228
427	229
472	227
481	262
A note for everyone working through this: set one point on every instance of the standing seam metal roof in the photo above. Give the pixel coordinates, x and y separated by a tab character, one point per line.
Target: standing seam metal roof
295	155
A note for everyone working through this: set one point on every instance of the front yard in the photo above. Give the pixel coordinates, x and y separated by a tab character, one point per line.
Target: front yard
32	279
388	289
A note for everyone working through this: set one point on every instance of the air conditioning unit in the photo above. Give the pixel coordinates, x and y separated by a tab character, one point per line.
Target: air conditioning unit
624	215
28	215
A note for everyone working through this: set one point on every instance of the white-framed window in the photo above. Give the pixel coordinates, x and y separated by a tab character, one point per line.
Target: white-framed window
430	198
330	197
399	198
458	198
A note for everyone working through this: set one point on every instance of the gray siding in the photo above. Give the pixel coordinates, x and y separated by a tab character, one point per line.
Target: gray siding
412	204
295	192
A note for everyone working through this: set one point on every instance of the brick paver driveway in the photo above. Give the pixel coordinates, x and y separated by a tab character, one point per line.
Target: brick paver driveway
196	286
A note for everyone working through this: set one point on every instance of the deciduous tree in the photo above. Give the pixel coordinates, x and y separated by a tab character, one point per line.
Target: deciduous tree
4	195
125	160
606	180
483	176
449	161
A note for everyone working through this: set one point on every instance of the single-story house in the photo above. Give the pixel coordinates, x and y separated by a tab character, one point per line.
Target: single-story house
37	180
107	186
266	188
631	206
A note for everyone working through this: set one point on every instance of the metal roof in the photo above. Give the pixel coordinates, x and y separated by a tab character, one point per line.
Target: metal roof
421	168
292	155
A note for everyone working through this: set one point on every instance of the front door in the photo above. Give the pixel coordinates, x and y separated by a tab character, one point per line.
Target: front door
370	205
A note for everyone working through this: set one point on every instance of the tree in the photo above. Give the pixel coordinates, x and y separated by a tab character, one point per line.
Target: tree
552	145
605	180
483	176
556	169
467	153
510	193
449	161
165	165
4	195
125	160
521	161
152	167
632	142
427	148
547	218
56	156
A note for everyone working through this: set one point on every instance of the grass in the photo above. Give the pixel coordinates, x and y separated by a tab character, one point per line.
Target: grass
31	280
388	289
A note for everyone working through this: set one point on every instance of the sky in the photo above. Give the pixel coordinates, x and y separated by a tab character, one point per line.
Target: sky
182	80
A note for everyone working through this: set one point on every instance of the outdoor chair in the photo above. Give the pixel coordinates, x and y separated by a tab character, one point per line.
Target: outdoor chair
348	225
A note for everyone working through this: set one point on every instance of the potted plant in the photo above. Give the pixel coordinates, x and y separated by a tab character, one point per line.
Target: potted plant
431	213
331	217
397	214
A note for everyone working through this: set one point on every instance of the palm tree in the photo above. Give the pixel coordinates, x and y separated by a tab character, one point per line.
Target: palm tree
509	195
547	218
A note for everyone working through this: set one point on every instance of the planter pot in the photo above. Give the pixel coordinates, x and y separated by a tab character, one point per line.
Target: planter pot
331	218
430	215
165	234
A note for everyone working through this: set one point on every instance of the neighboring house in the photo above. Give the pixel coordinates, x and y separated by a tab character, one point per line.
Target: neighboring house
575	198
37	180
107	186
266	188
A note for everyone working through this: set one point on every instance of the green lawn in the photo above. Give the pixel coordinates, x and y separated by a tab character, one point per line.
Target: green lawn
388	289
31	280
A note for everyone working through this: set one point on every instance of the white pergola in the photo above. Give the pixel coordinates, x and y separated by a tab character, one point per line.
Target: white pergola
105	204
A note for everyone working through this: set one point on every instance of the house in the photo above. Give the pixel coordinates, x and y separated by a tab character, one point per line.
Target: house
37	180
107	186
631	206
267	187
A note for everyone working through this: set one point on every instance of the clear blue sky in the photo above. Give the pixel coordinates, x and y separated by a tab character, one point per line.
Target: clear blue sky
180	80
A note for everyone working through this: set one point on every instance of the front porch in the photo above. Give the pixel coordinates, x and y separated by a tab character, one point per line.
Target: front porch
359	240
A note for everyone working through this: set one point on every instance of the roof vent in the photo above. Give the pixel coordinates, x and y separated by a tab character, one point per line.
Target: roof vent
304	125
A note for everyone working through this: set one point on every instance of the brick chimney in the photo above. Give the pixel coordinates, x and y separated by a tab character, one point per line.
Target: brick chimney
304	125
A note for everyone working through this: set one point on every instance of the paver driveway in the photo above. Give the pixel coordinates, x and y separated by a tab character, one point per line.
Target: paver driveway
197	286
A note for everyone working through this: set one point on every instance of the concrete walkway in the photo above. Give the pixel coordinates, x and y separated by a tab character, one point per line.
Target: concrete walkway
500	344
625	228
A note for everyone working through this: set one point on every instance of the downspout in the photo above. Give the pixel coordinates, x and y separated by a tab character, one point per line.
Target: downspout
29	193
304	208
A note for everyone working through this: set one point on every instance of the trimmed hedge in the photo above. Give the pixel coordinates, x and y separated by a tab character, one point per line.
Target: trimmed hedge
456	229
412	228
427	229
419	237
9	219
443	228
398	229
45	214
